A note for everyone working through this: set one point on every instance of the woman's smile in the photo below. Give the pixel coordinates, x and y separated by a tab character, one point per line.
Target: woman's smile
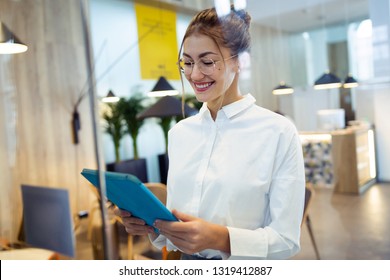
202	87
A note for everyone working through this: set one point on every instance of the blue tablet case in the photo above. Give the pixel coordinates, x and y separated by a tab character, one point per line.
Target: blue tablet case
129	193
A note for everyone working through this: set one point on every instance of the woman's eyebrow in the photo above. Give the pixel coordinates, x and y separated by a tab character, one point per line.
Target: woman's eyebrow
201	54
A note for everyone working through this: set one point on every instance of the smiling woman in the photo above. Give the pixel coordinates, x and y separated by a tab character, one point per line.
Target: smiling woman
236	173
211	73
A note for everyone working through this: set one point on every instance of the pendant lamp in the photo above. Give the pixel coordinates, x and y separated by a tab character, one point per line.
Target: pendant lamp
167	106
350	82
327	81
162	88
282	89
9	43
110	98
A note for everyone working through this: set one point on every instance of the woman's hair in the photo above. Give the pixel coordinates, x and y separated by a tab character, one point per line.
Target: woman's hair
230	31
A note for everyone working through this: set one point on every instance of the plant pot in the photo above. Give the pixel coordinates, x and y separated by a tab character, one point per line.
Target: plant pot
163	165
136	167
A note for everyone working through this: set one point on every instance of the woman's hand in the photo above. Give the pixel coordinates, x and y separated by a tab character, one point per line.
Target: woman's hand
134	226
193	234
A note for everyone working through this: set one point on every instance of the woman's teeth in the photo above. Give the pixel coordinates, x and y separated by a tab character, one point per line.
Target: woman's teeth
203	86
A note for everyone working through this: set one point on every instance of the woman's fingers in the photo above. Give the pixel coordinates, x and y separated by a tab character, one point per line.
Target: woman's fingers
121	213
133	225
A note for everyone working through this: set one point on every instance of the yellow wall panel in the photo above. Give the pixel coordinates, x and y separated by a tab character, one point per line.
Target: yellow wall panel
157	42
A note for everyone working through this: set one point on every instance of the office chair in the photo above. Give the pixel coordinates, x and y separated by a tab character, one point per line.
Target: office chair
47	220
309	192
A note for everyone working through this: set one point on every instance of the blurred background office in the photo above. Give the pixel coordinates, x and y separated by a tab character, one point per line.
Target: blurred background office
323	63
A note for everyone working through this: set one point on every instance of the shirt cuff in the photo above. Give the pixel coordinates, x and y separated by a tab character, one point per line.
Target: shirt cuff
159	242
247	244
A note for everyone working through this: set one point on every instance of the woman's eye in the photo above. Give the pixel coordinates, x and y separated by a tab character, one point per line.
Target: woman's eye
207	62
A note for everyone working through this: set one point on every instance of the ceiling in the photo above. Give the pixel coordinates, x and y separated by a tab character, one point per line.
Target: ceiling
302	15
294	15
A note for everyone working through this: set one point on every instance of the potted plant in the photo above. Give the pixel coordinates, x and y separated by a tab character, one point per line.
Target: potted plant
129	109
114	126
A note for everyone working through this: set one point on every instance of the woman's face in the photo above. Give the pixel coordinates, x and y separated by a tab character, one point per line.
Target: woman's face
211	86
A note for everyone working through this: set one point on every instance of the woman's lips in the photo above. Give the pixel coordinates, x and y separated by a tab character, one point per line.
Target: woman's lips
201	87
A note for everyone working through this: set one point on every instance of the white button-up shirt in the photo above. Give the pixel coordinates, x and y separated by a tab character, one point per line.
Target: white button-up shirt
244	170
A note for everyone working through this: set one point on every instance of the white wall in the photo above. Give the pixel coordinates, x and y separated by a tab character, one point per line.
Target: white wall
380	18
382	125
373	103
373	96
317	48
302	106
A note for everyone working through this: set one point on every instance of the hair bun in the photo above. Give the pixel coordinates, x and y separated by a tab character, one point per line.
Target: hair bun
243	14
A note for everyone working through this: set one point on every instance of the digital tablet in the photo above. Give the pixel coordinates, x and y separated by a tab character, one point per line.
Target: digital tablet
128	193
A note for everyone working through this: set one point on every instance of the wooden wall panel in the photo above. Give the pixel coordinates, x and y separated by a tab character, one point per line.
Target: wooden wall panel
7	152
47	80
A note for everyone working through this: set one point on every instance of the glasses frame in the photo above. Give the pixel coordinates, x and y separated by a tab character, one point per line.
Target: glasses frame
193	63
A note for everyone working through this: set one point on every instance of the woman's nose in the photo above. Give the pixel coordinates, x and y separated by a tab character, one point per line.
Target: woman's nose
196	74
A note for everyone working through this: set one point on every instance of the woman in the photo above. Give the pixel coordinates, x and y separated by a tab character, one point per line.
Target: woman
236	173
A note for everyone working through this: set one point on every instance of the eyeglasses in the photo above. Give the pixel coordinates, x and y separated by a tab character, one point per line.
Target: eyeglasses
205	65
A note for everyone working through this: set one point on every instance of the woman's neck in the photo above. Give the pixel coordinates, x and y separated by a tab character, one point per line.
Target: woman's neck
223	100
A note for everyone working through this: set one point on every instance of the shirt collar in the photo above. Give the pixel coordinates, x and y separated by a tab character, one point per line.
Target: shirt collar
234	108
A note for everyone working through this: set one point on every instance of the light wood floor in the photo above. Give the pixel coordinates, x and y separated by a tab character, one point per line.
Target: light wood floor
354	227
349	227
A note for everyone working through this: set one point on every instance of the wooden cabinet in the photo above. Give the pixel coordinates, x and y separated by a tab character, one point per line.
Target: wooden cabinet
353	156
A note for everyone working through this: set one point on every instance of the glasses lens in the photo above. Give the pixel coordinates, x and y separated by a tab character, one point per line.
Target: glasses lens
206	65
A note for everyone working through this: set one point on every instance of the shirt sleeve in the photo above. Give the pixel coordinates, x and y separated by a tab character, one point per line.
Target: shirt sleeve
159	242
279	238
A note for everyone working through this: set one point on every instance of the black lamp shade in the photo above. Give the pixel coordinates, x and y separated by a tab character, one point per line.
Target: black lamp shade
110	94
162	84
167	106
350	82
9	43
162	88
282	88
110	97
327	81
